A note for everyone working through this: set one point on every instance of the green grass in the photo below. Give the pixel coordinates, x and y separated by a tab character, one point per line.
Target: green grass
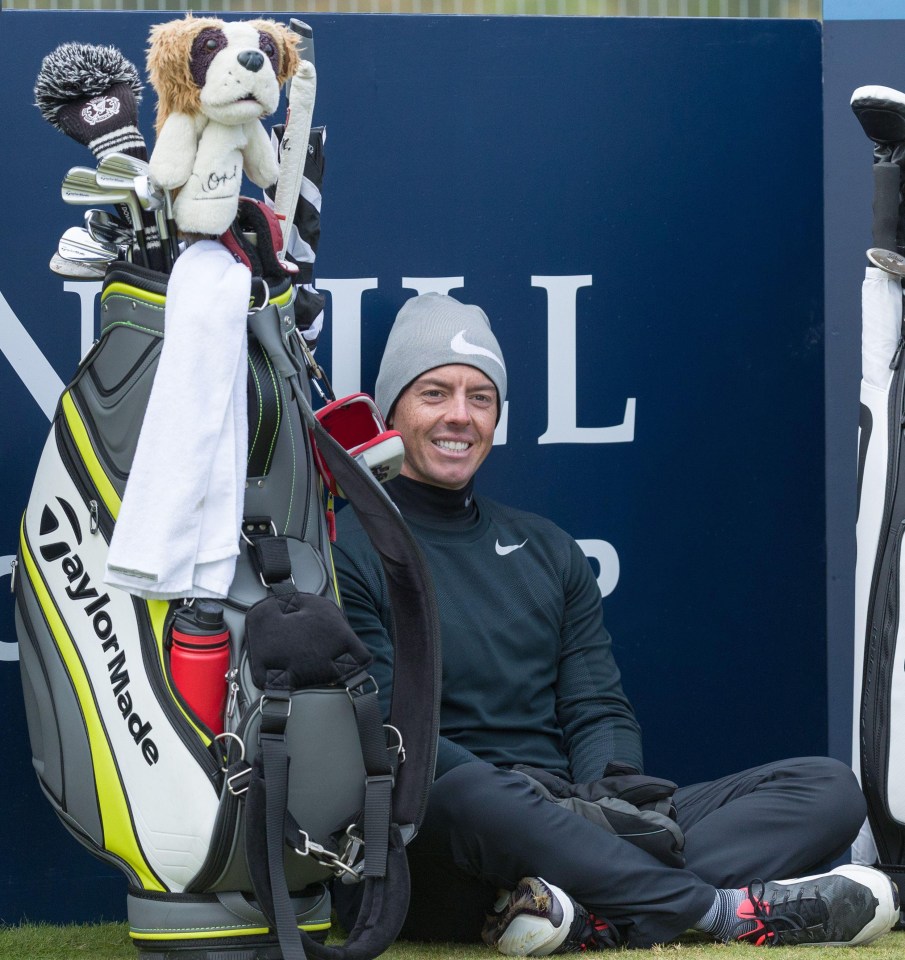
110	941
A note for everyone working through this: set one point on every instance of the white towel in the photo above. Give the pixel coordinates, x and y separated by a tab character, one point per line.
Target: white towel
177	533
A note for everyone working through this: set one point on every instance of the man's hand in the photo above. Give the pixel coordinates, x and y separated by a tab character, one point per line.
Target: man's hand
633	806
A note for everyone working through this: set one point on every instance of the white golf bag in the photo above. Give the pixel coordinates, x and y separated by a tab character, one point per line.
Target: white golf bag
879	642
229	840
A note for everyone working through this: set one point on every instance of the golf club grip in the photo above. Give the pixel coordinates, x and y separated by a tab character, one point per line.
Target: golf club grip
123	210
304	47
305	44
886	204
294	147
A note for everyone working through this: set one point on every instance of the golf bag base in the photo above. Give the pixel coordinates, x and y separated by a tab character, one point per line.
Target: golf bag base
224	927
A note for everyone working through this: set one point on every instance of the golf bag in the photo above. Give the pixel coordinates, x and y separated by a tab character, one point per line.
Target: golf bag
879	694
229	840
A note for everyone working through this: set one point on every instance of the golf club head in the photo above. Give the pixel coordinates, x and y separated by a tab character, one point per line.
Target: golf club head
120	166
887	260
106	227
150	196
79	246
80	187
118	171
72	270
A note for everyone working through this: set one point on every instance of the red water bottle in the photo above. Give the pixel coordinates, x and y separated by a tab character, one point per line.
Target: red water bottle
199	660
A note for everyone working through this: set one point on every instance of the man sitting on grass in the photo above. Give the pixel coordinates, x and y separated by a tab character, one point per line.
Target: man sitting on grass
529	678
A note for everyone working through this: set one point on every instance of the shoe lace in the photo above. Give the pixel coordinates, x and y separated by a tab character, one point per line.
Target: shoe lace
598	934
790	920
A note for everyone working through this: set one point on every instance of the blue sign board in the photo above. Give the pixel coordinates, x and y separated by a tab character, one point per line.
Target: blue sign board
637	204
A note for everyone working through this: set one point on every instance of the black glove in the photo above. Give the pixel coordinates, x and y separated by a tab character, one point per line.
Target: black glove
633	806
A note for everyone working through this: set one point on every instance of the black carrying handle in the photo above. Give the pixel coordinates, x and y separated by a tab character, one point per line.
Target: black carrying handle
416	637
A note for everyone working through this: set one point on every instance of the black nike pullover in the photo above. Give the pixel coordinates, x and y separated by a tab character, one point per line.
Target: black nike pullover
528	668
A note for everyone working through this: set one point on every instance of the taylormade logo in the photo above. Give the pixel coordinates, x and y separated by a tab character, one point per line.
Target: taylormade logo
81	591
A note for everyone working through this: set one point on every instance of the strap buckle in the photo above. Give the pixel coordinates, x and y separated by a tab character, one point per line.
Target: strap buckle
249	525
354	845
256	532
260	294
270	711
398	746
228	735
358	687
237	783
309	848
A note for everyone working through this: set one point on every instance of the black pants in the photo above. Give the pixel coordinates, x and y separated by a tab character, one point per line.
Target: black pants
485	829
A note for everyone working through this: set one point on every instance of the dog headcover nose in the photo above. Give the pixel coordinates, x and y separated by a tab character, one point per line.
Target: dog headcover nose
252	60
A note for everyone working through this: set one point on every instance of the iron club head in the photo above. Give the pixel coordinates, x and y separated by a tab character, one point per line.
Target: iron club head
106	227
73	270
78	246
78	189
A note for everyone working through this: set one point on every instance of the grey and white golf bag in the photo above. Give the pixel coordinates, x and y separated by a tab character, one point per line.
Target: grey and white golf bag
229	841
879	685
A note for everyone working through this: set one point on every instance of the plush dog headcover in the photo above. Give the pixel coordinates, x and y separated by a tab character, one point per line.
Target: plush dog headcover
181	53
215	80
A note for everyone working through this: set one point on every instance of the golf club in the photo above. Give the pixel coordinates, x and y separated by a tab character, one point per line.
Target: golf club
73	270
106	227
80	187
120	169
151	197
296	134
79	246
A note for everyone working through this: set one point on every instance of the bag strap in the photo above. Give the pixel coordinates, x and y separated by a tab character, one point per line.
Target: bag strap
269	828
415	707
380	776
275	707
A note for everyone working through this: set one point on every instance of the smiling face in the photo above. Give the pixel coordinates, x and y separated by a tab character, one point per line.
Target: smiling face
447	418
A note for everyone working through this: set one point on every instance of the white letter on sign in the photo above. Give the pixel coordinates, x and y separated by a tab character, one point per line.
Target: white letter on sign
562	377
608	561
345	296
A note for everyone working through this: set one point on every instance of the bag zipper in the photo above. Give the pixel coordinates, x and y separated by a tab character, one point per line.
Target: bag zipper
228	815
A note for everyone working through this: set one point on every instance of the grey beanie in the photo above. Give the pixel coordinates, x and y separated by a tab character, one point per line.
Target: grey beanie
433	330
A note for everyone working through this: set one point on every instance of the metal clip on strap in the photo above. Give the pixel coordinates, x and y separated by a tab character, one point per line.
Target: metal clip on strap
308	848
260	294
276	708
238	777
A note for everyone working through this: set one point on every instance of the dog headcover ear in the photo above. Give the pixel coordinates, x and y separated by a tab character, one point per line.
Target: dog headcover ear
285	41
170	65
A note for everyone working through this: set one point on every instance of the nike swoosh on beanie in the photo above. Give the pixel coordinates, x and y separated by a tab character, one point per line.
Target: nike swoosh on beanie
460	345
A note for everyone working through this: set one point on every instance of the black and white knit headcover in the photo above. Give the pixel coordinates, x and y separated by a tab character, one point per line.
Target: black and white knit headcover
91	93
